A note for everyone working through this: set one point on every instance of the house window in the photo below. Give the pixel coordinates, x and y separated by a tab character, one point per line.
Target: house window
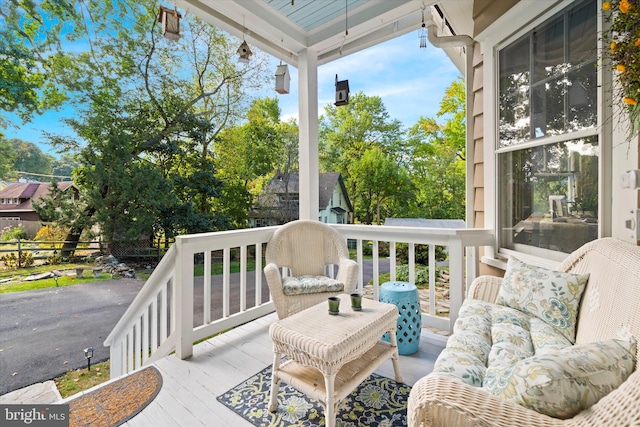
548	150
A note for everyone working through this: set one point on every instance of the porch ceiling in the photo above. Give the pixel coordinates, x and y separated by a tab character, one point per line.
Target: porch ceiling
283	30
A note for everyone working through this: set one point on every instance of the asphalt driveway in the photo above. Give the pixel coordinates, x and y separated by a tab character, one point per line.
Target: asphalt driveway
43	333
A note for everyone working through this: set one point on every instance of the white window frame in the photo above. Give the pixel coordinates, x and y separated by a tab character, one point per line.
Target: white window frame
515	23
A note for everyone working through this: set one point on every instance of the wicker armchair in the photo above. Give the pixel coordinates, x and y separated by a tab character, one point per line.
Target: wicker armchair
306	248
611	301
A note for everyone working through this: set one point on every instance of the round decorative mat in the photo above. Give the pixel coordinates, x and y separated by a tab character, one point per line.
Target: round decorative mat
116	402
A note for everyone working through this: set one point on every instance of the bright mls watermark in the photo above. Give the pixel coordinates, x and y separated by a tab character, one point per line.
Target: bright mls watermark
34	415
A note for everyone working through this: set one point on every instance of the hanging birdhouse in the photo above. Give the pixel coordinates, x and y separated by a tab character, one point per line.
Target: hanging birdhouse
282	79
244	53
342	92
170	20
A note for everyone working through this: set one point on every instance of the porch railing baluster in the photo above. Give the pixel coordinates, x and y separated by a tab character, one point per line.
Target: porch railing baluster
243	278
207	288
161	318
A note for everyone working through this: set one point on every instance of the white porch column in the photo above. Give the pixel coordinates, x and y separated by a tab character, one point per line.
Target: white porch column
308	134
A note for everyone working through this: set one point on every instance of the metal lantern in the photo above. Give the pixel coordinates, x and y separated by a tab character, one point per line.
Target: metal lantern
282	79
170	20
342	92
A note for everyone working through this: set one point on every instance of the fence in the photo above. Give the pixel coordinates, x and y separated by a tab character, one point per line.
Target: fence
45	249
31	227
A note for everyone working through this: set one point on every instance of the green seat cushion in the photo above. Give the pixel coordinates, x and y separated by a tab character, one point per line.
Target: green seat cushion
563	383
299	285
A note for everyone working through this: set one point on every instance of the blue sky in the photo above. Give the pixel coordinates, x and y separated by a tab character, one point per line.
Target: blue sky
409	80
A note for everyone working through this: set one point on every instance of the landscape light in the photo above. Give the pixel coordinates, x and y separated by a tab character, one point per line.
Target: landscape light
88	353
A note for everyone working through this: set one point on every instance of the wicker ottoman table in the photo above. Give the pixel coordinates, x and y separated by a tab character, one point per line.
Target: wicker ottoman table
329	356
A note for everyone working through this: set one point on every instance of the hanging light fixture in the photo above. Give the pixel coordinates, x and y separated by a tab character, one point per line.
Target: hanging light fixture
423	33
170	20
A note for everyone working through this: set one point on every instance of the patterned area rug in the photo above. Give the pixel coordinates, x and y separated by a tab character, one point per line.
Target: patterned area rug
116	402
378	401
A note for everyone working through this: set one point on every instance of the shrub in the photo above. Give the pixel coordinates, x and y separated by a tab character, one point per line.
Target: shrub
422	275
25	259
51	232
383	249
14	233
55	258
421	254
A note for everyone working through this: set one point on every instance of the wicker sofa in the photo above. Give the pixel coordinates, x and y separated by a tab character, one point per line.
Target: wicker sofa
609	310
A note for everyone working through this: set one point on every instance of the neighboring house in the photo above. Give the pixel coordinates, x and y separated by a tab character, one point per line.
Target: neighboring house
16	204
279	203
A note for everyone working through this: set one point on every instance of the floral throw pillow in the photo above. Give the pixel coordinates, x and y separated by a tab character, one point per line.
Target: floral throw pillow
563	383
551	296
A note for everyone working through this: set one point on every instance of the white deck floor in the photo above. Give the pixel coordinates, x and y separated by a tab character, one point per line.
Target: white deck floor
190	387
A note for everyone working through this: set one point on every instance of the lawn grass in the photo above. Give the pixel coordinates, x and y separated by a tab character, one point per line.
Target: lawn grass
79	380
216	267
49	283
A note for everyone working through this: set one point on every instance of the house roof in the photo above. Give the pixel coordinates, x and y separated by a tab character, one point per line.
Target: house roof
327	183
27	192
285	28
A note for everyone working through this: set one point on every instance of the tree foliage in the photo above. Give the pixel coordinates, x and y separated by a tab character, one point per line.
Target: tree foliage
30	47
152	109
30	158
378	181
438	159
7	158
247	155
169	140
346	134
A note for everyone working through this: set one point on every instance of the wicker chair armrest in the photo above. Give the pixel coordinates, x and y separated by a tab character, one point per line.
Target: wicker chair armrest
274	281
485	288
348	274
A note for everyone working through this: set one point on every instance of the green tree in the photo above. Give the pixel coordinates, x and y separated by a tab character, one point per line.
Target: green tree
153	109
30	158
380	183
248	155
7	158
347	132
438	159
64	207
30	48
64	165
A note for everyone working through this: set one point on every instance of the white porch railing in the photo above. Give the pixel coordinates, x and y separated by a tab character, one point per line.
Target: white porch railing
176	307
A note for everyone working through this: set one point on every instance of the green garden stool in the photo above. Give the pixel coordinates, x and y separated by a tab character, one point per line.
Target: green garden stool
404	295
